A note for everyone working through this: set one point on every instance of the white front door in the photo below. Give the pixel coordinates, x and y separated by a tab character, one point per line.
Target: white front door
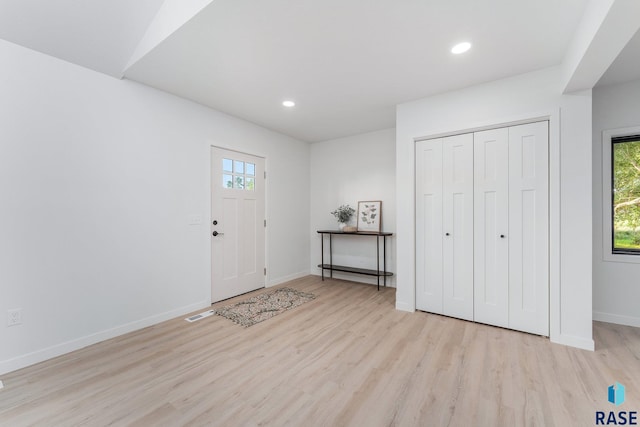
238	223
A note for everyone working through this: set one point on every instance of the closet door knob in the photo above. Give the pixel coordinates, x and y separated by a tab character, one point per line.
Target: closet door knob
446	234
502	236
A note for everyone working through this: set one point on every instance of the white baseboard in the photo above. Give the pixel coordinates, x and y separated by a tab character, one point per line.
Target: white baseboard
403	306
573	341
288	278
38	356
617	319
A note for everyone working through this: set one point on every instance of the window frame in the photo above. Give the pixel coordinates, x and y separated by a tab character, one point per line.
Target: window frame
609	254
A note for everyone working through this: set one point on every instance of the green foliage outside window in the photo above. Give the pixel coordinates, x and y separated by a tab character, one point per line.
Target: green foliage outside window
626	195
240	183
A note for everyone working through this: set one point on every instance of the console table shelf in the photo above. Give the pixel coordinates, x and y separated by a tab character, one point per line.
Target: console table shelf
364	271
346	269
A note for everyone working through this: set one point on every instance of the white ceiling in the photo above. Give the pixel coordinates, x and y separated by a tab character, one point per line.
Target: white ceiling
97	34
347	63
626	66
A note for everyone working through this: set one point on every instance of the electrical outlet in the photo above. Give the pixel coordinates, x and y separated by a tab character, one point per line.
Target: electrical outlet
14	317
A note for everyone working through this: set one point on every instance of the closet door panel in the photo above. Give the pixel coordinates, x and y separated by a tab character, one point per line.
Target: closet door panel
429	257
528	228
457	169
491	240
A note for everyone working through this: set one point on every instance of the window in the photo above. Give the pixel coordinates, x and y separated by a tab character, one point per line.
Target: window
238	175
625	194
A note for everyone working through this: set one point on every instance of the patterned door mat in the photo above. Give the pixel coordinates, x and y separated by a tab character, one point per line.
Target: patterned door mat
263	306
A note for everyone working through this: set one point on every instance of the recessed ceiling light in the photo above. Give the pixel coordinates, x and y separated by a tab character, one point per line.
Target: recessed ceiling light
289	104
461	48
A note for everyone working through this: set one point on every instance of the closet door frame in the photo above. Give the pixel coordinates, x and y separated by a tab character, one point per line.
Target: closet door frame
552	116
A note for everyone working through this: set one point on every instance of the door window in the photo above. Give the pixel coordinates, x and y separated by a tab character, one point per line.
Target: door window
238	175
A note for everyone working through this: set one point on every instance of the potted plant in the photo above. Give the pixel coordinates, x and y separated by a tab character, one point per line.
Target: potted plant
343	214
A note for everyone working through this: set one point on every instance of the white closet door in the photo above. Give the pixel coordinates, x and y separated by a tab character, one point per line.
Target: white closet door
491	246
429	261
529	228
457	205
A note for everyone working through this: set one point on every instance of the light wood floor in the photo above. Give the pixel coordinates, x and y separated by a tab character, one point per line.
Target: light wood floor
346	358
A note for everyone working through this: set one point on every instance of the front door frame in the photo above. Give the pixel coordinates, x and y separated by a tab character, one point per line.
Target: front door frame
208	146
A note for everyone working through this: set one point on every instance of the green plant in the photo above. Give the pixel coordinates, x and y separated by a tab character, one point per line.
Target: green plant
343	213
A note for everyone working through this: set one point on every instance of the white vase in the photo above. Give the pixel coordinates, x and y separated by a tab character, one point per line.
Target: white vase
341	226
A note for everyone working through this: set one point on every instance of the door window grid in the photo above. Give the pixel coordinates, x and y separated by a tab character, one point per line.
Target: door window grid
238	175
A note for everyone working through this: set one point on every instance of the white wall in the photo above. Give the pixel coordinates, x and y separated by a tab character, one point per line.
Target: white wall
97	180
345	171
506	101
615	284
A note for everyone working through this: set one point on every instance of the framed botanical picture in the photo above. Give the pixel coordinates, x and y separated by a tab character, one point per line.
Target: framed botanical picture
370	216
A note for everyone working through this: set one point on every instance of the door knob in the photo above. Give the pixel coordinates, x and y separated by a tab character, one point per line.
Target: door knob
215	233
215	222
446	234
502	236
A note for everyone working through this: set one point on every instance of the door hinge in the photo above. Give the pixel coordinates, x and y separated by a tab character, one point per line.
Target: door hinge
265	271
265	174
265	222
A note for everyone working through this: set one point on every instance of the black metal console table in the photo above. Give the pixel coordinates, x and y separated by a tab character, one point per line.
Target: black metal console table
377	272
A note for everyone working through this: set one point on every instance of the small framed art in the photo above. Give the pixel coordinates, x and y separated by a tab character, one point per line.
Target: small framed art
370	216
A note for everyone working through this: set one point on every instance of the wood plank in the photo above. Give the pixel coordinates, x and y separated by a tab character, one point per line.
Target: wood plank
346	358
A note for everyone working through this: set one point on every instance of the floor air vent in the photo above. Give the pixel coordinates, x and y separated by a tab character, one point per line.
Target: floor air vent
200	316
